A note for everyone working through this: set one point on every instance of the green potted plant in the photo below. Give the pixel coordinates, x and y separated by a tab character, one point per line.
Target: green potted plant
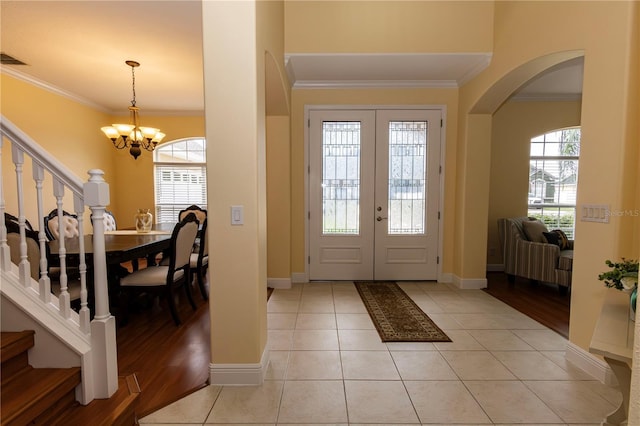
623	276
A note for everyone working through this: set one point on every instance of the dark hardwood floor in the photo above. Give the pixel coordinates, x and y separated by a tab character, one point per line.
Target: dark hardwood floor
169	361
542	302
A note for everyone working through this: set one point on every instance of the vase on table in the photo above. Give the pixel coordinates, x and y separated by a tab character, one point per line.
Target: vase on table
144	220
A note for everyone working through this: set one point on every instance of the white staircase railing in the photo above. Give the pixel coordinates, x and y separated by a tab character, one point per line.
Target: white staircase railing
92	339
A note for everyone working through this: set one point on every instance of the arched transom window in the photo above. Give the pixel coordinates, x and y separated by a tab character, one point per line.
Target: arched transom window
180	177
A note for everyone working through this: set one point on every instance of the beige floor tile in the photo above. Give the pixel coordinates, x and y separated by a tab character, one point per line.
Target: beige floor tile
317	305
410	346
423	366
314	365
510	402
574	402
354	322
315	340
280	340
543	340
445	402
559	358
445	321
313	402
369	365
278	361
500	340
531	365
461	340
477	365
281	321
191	409
247	404
283	306
360	340
379	402
350	305
316	321
610	393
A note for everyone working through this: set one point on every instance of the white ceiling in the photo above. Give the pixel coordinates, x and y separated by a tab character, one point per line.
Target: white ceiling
79	48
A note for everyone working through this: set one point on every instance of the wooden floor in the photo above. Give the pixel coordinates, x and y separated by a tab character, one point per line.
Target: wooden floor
169	362
542	302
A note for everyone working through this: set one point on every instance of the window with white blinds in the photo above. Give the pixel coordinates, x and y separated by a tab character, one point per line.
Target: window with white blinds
180	177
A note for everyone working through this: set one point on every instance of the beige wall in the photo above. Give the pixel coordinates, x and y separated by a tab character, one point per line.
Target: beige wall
389	97
235	121
551	32
388	26
514	124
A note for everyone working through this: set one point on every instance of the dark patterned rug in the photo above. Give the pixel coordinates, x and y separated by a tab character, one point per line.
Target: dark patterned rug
396	317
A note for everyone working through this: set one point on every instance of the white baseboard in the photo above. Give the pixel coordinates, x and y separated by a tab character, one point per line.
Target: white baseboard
469	283
281	283
240	374
445	277
590	364
495	267
299	277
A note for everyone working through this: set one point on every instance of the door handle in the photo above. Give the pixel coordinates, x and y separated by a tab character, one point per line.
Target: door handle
379	218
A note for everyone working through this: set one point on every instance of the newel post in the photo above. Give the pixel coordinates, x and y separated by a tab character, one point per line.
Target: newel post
103	326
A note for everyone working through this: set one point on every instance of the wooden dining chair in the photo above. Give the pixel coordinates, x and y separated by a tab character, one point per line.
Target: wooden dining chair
69	224
200	261
164	279
201	214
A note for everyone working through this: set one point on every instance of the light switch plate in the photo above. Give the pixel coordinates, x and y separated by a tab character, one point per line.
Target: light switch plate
237	215
594	213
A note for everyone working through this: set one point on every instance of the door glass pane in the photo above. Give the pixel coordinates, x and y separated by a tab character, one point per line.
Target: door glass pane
407	177
341	177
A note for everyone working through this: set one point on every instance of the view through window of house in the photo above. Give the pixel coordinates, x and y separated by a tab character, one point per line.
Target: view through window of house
553	178
180	177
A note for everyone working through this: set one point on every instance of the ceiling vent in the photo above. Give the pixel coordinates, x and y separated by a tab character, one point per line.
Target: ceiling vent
9	60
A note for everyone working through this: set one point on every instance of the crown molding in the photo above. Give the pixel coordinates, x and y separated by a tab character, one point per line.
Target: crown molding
375	84
53	89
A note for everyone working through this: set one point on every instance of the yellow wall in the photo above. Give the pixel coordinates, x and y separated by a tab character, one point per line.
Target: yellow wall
278	198
388	26
70	131
132	185
534	35
381	97
236	155
514	124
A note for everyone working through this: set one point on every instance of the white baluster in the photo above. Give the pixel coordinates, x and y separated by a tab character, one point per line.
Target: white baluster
5	256
78	204
17	156
45	281
63	297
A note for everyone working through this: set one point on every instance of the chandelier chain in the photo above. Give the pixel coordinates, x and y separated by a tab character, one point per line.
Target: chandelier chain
133	86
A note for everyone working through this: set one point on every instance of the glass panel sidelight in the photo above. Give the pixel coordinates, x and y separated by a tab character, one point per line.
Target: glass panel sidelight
341	177
407	177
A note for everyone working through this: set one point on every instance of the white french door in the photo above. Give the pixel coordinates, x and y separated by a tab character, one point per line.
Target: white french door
373	194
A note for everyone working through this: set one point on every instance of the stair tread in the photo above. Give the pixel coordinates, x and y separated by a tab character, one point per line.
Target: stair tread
36	389
13	343
113	411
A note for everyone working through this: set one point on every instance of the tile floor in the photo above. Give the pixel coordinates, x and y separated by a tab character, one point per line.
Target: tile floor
328	366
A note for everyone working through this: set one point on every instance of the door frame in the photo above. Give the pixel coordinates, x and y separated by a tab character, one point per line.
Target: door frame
307	141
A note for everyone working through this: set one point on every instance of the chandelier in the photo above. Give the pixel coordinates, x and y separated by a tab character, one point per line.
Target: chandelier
132	135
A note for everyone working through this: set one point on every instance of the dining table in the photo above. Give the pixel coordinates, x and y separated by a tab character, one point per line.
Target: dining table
121	246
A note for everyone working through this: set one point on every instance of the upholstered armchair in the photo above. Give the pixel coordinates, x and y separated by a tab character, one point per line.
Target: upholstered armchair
527	253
